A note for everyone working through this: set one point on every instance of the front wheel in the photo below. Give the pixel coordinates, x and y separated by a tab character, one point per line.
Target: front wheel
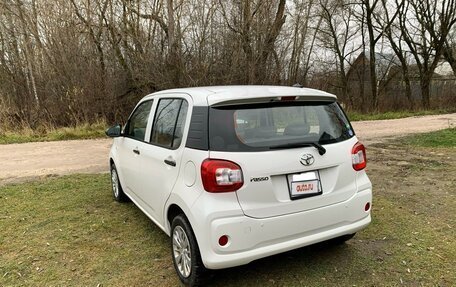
186	256
117	190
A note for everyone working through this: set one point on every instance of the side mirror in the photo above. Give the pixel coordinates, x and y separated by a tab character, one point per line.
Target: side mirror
114	131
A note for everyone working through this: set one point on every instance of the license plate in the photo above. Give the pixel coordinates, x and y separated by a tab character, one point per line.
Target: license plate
304	184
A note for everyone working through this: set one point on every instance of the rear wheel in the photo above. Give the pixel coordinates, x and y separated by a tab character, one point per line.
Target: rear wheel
117	190
186	256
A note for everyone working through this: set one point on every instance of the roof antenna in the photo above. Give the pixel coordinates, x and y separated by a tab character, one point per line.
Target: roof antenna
298	85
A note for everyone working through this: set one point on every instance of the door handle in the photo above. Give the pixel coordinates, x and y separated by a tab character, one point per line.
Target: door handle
136	151
170	162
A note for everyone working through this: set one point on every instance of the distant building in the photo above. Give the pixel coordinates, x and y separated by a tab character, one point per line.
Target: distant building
359	74
390	82
445	71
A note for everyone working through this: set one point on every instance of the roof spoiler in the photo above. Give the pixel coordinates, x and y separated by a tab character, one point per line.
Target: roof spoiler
263	100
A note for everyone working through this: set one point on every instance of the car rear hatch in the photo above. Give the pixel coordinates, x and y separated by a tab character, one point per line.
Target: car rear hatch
295	155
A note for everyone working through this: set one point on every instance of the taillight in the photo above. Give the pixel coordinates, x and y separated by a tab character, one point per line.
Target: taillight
221	175
288	98
359	159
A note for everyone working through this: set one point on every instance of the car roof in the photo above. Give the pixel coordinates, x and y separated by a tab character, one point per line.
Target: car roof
214	95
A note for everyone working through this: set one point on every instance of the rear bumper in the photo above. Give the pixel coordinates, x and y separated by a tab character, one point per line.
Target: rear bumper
251	238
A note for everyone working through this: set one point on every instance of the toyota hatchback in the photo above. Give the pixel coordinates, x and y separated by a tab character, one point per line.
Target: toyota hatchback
236	173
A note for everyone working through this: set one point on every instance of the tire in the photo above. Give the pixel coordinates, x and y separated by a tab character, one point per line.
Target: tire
117	191
185	252
342	239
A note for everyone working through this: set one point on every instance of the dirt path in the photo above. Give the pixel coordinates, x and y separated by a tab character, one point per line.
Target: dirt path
379	131
20	162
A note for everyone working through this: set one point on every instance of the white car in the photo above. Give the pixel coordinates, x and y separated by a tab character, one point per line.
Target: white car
236	173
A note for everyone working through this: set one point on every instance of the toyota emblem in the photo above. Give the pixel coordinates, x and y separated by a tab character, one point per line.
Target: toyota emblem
307	159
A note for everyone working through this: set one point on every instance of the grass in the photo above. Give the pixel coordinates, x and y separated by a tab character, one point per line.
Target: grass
356	116
442	138
69	231
84	131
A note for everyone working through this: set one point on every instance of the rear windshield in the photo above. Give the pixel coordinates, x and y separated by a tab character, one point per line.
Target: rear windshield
262	127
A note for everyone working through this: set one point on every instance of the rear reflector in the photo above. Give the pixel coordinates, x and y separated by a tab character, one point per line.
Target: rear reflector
367	206
223	240
221	175
359	159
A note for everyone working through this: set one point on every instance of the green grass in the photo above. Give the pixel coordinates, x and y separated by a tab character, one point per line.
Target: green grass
84	131
356	116
69	231
442	138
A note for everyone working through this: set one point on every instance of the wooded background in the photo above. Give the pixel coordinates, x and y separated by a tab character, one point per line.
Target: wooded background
65	62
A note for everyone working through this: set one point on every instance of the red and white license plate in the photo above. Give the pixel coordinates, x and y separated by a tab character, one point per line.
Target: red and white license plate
304	184
304	187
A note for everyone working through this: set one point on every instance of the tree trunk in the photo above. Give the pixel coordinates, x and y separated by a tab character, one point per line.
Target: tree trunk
268	45
372	60
344	84
425	91
408	89
246	43
310	51
373	78
293	66
173	46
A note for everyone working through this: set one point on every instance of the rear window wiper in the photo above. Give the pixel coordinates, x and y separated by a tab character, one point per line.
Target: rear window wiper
321	149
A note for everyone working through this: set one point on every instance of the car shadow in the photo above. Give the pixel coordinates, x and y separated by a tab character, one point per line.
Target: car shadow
299	266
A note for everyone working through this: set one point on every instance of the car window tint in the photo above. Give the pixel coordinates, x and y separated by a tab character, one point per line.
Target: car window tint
169	122
136	127
259	127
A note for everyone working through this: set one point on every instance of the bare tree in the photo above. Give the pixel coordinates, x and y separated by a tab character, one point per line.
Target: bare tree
258	29
303	40
425	35
66	62
96	32
368	15
396	41
337	33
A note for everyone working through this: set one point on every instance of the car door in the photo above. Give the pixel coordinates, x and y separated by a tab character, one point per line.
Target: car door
162	158
131	145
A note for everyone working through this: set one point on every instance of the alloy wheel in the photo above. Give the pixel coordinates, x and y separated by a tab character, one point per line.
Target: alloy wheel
182	251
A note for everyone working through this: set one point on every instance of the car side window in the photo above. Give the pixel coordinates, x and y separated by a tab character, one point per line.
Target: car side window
169	123
180	124
136	126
